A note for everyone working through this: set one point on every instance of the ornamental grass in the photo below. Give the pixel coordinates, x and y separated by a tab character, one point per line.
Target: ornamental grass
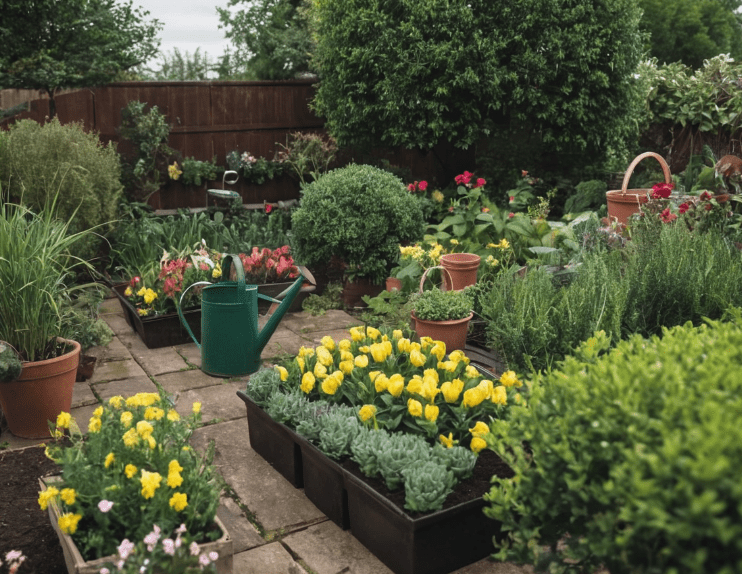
133	470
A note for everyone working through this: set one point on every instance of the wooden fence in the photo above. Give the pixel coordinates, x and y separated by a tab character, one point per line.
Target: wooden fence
210	119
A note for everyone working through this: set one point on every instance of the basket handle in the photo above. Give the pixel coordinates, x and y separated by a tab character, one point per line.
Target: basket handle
637	159
425	275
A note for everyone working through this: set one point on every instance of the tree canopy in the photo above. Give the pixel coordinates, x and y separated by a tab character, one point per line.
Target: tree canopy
414	72
691	31
271	38
49	45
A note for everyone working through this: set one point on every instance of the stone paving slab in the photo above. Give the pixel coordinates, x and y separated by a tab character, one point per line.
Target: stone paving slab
269	559
83	395
82	415
489	566
218	401
187	380
284	343
274	501
110	306
125	388
191	354
116	370
159	361
305	323
327	549
241	531
114	351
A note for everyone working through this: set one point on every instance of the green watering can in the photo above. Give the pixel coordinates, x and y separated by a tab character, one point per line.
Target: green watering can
231	342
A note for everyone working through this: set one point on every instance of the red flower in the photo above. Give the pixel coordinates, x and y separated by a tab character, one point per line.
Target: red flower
450	209
662	190
422	186
524	173
411	187
683	207
511	215
512	198
480	182
464	178
705	196
485	210
134	281
268	208
666	216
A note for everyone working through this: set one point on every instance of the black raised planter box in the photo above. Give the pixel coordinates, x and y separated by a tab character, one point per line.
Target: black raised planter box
436	543
324	484
275	442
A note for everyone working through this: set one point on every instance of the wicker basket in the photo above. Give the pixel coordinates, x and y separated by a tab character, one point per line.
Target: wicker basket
623	203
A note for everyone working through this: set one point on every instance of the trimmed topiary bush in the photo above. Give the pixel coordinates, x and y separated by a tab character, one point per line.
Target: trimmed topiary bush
358	214
39	162
628	460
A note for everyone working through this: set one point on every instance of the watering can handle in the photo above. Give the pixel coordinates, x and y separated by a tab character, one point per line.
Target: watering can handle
180	310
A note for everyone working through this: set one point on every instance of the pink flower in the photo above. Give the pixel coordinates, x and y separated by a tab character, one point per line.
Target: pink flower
524	173
485	210
134	281
268	208
125	548
169	546
193	549
683	207
512	198
480	183
213	556
666	216
411	187
422	186
105	505
662	190
464	178
203	560
511	215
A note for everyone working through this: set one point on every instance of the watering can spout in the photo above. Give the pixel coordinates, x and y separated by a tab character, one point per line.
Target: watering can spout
287	297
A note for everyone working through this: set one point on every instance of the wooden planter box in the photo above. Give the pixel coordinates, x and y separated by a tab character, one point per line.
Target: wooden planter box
77	565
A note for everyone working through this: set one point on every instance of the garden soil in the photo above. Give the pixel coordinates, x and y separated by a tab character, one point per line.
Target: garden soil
23	525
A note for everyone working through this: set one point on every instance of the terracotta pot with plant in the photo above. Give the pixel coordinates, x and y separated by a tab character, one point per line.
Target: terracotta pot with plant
360	215
36	271
442	315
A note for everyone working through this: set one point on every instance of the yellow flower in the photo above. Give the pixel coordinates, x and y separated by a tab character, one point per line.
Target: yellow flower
471	372
196	408
94	424
328	343
437	196
217	272
448	366
397	334
357	334
46	495
324	356
417	358
499	395
174	466
98	412
396	386
130	470
116	401
63	420
300	362
426	342
403	345
430	389
431	413
366	412
447	441
344	344
152	442
431	375
346	367
510	379
439	350
320	371
373	333
142	400
282	372
361	361
306	351
149	296
346	355
479	429
415	386
150	482
380	351
452	389
503	244
68	495
458	356
174	480
153	413
128	292
131	438
141	292
144	429
477	444
126	418
179	501
330	385
68	522
172	415
307	382
381	382
173	171
474	397
454	241
414	407
143	312
110	459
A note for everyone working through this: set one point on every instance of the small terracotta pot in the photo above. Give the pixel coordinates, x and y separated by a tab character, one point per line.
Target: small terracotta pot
452	333
353	291
462	269
43	390
393	283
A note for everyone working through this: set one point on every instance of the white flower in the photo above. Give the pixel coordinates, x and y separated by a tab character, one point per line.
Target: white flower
214	556
125	548
169	546
193	548
203	560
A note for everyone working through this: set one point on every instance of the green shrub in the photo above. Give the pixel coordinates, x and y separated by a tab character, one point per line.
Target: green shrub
39	162
358	214
196	172
437	305
629	460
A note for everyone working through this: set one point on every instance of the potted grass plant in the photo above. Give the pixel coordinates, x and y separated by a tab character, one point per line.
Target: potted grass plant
36	275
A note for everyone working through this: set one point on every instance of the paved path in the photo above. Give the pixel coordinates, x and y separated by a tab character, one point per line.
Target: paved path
275	528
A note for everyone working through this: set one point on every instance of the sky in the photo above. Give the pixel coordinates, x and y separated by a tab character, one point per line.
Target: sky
188	25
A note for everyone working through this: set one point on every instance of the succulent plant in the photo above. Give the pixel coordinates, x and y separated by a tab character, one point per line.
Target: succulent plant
427	484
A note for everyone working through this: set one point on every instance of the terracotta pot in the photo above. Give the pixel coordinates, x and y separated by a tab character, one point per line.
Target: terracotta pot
75	563
452	333
43	390
623	203
393	283
462	270
353	291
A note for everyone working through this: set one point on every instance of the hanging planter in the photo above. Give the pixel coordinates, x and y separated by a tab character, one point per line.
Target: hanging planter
624	203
